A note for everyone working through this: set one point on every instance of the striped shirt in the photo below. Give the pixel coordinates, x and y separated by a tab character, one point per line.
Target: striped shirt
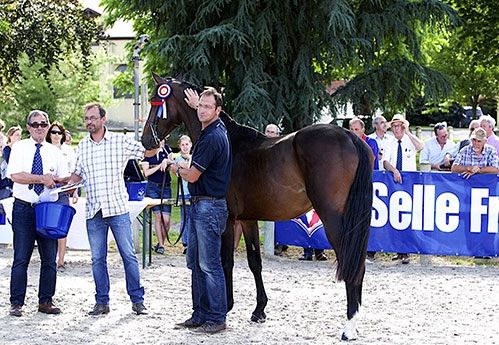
102	165
468	157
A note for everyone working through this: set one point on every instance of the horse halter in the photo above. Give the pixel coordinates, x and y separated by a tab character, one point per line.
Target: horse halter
163	92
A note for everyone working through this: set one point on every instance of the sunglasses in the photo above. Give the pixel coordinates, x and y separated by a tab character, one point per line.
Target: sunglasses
36	124
56	132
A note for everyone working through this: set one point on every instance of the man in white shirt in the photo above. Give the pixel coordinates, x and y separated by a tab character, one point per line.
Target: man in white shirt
436	148
397	159
400	155
380	135
34	166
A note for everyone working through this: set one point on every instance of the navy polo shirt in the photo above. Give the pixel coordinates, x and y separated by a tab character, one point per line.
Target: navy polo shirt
212	157
155	160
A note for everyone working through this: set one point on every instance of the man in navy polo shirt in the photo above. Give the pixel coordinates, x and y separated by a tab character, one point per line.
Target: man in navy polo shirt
208	177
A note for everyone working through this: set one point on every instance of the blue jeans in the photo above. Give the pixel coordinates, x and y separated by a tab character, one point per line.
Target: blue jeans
97	230
207	224
153	190
24	228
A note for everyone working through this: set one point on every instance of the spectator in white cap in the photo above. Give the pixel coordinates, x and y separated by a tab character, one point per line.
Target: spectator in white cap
476	158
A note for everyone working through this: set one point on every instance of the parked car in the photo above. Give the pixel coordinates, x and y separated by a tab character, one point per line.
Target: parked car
467	116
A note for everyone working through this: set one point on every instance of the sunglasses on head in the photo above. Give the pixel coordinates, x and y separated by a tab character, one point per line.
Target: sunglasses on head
36	124
55	132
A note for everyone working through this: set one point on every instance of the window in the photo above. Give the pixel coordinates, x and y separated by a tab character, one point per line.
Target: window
120	92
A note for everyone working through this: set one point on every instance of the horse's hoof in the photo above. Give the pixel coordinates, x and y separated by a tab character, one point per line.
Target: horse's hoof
259	319
345	338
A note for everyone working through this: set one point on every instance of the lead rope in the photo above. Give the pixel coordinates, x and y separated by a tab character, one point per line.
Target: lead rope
180	187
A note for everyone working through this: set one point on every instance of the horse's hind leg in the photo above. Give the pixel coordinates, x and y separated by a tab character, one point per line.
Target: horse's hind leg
252	238
354	301
227	257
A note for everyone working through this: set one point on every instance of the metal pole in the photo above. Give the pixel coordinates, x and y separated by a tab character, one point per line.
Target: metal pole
268	239
136	103
141	41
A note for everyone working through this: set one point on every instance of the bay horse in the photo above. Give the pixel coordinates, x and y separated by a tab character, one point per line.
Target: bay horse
321	166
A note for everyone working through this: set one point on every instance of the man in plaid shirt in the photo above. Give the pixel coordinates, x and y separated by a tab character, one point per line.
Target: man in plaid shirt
101	160
476	158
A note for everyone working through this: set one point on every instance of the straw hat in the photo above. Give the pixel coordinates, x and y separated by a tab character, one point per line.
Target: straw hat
398	118
478	134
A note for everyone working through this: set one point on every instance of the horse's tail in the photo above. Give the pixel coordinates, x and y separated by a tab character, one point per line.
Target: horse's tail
357	219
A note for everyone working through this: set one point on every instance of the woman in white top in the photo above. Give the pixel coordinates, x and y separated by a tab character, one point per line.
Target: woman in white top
56	135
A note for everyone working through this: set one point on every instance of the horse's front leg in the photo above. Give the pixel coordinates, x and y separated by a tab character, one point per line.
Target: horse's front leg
252	239
354	301
227	256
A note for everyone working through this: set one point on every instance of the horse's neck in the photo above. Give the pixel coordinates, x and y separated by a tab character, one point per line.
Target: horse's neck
192	123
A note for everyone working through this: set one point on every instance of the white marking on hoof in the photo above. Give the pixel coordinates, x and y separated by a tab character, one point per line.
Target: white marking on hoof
350	332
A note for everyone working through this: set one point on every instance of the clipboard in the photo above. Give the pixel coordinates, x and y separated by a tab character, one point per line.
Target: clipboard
67	188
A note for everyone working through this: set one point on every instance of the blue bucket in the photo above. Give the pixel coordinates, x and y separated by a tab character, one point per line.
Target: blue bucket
53	219
136	190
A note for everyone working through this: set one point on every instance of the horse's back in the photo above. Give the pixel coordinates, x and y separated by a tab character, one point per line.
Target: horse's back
279	178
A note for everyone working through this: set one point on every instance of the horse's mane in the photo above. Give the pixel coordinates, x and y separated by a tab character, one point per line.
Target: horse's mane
239	131
188	85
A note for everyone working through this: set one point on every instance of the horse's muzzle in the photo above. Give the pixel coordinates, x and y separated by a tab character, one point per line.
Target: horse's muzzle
149	143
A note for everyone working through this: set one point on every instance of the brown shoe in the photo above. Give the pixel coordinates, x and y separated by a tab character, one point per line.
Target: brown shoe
189	323
210	328
99	309
16	310
48	308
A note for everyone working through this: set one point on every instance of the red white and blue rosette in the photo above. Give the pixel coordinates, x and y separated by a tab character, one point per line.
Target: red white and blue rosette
164	91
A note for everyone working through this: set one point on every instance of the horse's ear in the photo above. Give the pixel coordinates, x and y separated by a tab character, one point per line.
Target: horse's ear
157	78
180	76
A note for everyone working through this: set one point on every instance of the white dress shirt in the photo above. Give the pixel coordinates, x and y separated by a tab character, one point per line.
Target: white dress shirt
408	153
21	160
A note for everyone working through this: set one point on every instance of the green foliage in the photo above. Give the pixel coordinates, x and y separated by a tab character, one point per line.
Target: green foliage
72	87
46	31
470	55
275	58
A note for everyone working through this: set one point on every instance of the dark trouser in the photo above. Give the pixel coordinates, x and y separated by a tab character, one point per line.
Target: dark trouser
308	252
24	228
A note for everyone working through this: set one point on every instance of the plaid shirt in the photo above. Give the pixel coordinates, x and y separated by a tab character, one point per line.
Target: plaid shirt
468	157
102	165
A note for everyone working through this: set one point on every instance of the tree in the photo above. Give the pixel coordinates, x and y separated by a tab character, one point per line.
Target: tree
72	87
470	55
46	31
275	58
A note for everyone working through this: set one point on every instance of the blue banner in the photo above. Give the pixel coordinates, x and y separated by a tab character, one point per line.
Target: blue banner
429	213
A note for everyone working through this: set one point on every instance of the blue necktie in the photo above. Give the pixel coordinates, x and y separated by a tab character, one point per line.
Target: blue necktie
399	156
37	169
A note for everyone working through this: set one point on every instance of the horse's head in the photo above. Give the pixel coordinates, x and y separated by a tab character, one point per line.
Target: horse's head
168	111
